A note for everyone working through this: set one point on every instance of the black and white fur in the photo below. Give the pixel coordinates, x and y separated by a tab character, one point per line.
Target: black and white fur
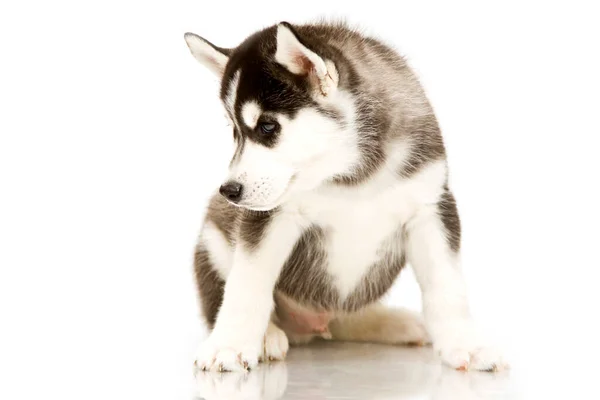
339	177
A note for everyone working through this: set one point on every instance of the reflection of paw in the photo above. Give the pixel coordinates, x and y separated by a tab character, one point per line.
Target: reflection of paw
275	345
267	382
225	355
274	380
456	385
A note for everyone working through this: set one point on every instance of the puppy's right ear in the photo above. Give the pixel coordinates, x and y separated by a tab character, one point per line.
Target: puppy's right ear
213	57
300	60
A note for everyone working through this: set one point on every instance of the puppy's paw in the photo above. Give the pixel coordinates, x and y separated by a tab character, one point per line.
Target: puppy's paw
461	348
275	344
224	356
473	358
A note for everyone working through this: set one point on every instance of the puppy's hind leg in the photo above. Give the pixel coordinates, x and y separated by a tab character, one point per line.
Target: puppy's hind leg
380	324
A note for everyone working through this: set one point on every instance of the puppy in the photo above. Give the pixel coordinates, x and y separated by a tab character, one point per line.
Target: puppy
339	178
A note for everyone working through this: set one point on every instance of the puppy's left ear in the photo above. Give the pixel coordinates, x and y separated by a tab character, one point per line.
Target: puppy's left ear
213	57
300	60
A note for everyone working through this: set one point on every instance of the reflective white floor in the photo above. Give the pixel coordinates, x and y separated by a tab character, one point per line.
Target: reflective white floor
329	370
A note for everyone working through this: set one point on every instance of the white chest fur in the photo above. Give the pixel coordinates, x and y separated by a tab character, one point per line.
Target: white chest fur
355	231
358	222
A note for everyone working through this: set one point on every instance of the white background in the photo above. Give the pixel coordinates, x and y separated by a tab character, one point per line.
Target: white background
112	139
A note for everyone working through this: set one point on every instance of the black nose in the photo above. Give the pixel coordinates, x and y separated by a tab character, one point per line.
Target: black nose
232	191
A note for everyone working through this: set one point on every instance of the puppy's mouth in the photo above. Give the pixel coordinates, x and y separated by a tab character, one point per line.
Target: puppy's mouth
250	207
271	205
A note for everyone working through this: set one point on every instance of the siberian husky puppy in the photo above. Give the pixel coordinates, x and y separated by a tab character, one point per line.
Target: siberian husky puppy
339	178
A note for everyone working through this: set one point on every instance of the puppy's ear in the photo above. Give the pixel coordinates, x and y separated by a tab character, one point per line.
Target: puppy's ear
213	57
300	60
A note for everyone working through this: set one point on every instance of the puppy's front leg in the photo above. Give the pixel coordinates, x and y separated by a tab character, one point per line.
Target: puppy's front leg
237	338
433	237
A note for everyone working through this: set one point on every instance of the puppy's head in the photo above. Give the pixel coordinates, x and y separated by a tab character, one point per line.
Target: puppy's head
291	122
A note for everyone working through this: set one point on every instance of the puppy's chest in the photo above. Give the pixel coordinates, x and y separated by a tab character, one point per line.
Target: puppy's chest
346	246
356	237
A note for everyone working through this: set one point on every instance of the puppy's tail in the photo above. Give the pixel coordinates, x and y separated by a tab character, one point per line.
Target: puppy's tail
380	324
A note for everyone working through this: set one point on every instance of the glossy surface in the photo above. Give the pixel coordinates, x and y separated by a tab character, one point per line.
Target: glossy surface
330	370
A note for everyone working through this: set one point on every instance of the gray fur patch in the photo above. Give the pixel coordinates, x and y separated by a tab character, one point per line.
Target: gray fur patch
253	225
224	216
304	277
210	285
449	215
427	145
374	123
238	224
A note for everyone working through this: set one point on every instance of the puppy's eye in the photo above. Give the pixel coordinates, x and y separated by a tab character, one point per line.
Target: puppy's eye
268	128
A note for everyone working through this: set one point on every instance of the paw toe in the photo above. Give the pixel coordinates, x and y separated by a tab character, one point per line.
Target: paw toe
276	344
210	358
